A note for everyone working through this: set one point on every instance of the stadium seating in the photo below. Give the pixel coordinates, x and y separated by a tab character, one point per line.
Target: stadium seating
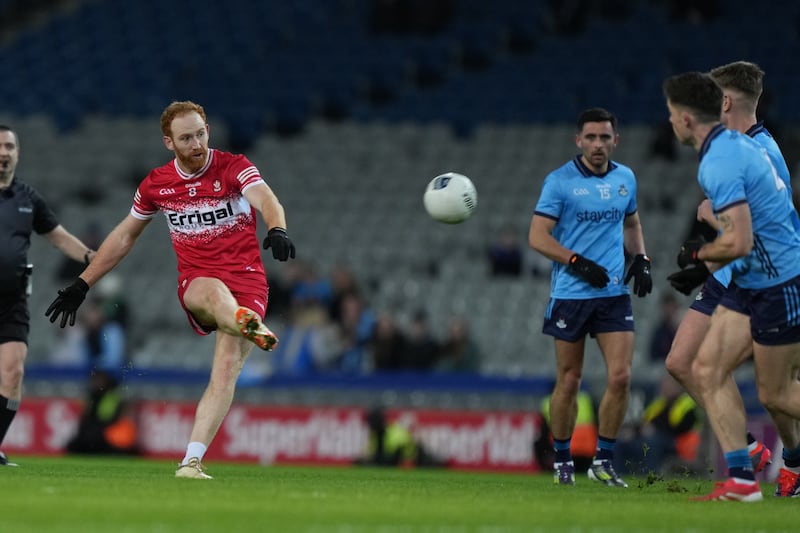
277	65
348	125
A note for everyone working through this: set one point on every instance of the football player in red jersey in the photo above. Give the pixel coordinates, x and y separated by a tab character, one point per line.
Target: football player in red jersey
209	199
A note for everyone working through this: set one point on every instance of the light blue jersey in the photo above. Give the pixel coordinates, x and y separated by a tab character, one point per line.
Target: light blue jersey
735	169
760	134
589	211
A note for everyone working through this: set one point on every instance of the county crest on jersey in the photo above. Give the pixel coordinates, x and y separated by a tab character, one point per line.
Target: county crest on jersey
589	211
211	224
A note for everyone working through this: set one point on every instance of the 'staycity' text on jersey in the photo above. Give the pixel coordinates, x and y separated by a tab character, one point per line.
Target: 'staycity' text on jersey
589	211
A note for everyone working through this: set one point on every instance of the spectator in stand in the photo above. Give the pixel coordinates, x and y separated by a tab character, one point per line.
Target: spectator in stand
309	342
459	353
661	338
309	286
104	342
664	145
355	329
388	344
505	254
423	347
343	282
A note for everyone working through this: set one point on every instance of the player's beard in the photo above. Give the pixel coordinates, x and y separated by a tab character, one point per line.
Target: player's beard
190	162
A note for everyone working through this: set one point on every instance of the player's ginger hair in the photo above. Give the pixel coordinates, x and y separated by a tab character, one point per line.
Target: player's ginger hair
176	109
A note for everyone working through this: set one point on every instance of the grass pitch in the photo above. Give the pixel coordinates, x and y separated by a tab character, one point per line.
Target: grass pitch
69	494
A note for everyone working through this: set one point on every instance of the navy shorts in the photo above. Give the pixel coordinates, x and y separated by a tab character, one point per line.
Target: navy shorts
713	293
774	312
14	319
571	320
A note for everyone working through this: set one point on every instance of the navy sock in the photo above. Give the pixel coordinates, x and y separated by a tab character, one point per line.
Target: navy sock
739	464
791	458
561	447
605	449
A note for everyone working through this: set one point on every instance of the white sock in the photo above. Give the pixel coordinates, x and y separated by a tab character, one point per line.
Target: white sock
195	449
752	446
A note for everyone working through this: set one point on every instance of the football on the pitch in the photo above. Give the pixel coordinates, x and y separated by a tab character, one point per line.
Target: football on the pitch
450	198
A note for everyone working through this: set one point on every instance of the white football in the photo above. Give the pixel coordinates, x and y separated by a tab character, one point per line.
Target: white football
450	198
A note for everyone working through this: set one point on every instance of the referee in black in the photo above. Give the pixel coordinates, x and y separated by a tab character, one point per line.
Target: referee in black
22	212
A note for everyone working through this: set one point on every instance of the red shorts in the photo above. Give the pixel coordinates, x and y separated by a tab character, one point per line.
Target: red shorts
249	290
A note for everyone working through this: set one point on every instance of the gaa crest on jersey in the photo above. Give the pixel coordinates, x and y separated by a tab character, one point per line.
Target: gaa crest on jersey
217	186
623	191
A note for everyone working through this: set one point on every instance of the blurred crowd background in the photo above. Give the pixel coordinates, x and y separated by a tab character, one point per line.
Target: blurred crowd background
349	108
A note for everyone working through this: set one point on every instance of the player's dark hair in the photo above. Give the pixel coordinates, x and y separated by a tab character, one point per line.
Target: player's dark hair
3	127
740	76
696	91
597	114
176	109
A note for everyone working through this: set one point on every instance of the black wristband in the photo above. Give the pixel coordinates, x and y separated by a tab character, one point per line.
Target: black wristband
86	257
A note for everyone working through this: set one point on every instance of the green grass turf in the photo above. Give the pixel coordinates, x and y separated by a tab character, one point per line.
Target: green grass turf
69	494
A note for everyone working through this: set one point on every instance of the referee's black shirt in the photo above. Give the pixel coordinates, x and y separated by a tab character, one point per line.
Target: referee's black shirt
22	211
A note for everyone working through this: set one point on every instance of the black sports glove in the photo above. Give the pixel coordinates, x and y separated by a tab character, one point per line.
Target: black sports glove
67	302
689	279
281	244
590	271
640	272
688	254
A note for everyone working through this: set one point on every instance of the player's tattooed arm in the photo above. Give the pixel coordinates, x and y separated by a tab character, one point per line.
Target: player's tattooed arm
735	238
725	222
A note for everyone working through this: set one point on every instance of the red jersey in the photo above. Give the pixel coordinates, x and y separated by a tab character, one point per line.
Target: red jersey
211	224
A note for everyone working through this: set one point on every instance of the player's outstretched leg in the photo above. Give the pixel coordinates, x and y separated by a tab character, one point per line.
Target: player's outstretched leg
192	470
253	329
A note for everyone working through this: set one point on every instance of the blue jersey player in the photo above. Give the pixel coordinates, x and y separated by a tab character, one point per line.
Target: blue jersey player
742	84
585	219
753	208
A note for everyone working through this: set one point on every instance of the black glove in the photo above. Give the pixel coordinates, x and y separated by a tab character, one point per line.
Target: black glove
281	244
640	272
689	279
688	254
590	271
67	302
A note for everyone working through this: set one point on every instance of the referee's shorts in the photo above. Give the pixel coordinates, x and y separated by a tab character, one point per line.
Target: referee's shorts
15	318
